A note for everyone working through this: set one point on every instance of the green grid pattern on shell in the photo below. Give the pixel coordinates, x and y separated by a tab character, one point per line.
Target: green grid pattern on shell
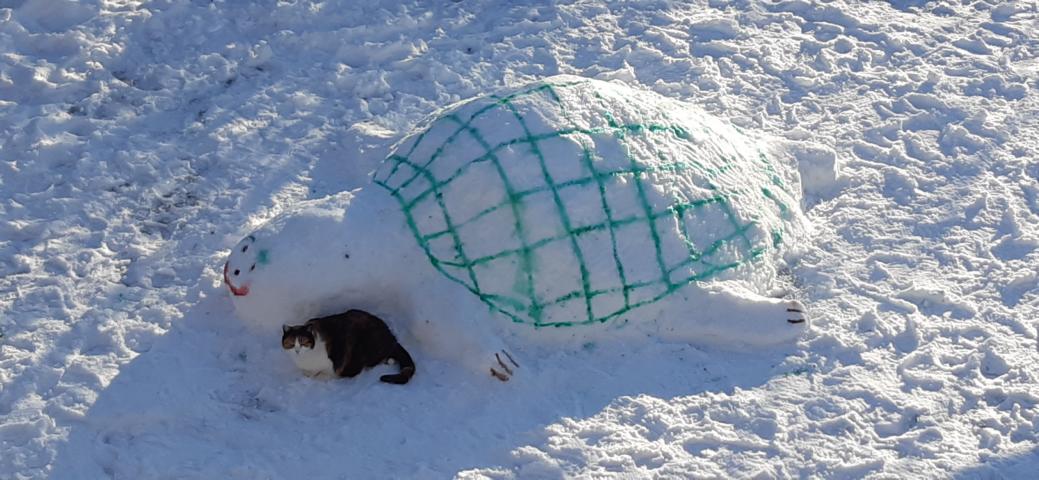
400	174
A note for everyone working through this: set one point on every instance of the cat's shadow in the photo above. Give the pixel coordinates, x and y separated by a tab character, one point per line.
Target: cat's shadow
210	400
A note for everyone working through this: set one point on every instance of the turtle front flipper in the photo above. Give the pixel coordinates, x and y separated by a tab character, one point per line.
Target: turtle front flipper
447	329
505	366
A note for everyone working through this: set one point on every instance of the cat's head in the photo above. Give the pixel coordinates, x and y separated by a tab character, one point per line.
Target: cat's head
297	337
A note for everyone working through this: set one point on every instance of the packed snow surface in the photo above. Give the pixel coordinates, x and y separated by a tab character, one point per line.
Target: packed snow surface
142	140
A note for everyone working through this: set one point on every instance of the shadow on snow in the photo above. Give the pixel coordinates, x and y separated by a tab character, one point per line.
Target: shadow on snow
211	400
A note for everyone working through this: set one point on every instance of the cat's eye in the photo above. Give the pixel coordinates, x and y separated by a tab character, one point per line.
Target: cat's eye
236	272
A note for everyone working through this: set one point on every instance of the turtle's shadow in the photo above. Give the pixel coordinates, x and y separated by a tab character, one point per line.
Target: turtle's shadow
210	401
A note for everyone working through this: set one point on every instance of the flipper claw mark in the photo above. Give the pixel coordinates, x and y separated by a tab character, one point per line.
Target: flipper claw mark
798	310
502	371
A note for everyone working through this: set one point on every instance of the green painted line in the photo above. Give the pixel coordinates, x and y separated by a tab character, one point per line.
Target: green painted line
527	263
474	116
564	216
586	157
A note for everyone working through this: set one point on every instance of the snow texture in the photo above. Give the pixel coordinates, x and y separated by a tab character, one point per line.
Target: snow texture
142	140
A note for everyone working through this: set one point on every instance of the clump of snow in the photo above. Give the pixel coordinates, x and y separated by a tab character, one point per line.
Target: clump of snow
820	171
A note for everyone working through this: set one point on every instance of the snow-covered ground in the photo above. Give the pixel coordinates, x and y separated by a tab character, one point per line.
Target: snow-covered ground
141	140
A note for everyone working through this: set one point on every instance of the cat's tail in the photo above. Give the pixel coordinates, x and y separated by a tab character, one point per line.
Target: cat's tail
407	366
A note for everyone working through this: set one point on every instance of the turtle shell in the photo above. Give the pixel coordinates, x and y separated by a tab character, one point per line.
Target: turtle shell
573	201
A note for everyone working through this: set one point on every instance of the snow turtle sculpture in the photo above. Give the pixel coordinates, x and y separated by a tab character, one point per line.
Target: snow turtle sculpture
568	208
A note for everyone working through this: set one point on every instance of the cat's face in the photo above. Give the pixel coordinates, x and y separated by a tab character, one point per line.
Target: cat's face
245	259
297	338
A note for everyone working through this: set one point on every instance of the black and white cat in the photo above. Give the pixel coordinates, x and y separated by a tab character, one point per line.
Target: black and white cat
345	344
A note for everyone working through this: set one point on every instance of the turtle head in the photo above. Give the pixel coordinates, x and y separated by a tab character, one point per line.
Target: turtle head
246	259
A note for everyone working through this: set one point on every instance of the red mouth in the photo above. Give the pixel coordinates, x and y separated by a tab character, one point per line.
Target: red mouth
237	291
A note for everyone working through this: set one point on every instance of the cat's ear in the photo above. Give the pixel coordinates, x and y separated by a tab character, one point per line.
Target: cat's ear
284	329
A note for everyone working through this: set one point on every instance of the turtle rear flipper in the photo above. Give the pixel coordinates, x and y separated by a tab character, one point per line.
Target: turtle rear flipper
731	315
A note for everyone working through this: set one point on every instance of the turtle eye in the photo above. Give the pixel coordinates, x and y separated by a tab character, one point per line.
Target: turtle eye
245	248
252	267
236	272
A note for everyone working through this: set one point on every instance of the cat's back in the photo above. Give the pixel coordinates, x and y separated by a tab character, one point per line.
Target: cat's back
355	322
357	326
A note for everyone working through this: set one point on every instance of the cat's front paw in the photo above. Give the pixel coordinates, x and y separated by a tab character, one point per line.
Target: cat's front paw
503	366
